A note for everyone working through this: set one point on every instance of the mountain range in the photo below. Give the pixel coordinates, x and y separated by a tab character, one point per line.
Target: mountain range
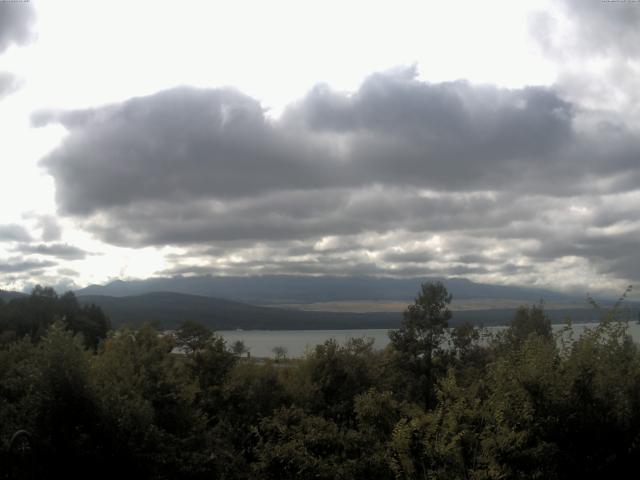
298	302
283	301
169	309
287	289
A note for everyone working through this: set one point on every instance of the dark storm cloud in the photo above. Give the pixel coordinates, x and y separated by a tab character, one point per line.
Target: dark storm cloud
14	233
58	250
16	22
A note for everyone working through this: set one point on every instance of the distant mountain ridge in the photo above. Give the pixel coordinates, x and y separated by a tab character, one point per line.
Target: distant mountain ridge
169	309
275	289
168	302
7	295
171	300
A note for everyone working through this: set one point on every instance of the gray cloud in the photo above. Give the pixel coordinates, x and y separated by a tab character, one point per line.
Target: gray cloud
606	27
596	47
587	29
325	267
351	183
16	23
67	272
8	84
448	135
306	214
400	256
616	254
279	260
16	265
177	145
48	225
58	250
14	233
186	144
475	258
50	228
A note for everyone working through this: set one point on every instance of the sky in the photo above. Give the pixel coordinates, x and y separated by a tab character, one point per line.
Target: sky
494	140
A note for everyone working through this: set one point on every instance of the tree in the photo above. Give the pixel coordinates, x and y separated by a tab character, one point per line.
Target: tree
44	292
33	315
424	322
66	418
88	320
468	355
463	338
530	320
444	442
419	337
239	348
337	373
293	444
211	366
192	336
280	353
145	395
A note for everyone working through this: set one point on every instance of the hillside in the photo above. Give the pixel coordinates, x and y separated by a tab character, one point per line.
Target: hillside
278	289
169	309
7	295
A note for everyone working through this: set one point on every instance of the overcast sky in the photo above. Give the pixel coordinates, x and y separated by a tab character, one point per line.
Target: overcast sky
493	140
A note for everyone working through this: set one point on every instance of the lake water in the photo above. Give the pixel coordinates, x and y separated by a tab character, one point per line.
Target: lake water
262	342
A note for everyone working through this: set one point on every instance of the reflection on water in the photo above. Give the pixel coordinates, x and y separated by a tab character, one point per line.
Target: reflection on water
262	342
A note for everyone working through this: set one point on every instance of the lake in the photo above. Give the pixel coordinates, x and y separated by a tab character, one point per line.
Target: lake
296	342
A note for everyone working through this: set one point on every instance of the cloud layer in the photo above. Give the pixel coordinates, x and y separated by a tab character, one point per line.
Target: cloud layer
401	177
596	50
189	144
16	23
14	233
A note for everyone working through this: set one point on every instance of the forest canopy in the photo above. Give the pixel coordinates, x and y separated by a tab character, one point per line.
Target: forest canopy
436	403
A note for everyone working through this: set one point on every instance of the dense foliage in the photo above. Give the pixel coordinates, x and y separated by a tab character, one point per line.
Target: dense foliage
31	316
437	403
